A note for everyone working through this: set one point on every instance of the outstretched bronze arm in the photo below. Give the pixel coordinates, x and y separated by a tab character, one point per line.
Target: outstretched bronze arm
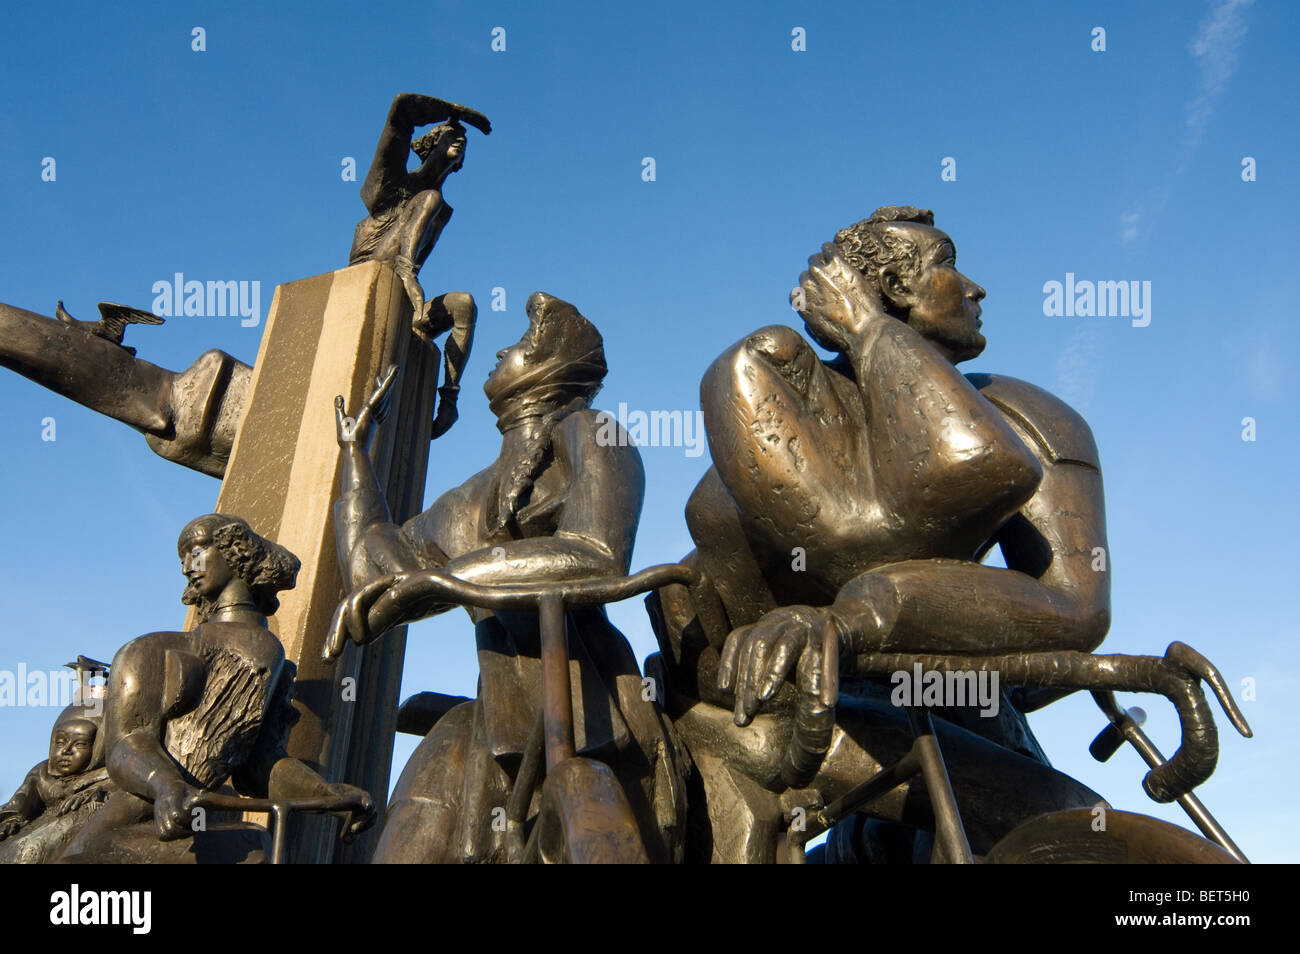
593	538
189	417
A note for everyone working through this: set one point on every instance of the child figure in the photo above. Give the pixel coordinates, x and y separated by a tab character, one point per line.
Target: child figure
74	777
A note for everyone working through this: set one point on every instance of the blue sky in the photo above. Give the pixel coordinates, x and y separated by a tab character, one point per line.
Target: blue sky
1117	165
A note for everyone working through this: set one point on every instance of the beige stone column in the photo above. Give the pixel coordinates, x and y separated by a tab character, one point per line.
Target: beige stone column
326	335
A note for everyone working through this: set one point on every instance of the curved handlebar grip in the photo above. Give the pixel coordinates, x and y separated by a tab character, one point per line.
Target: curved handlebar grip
814	716
1195	760
1197	756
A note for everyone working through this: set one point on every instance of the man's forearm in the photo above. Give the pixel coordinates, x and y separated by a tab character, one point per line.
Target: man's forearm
952	606
416	109
537	559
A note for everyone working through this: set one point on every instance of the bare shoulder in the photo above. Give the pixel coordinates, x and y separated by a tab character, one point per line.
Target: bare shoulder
777	352
147	645
1059	431
138	665
777	345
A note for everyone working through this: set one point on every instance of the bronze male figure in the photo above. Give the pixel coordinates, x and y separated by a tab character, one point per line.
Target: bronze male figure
407	215
842	529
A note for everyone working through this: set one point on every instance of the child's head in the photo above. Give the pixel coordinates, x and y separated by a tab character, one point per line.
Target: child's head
72	746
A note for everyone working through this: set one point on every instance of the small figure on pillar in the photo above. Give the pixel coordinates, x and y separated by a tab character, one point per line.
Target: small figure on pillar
188	712
408	214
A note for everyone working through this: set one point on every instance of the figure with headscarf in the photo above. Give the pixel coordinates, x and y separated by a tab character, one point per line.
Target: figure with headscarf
559	503
407	215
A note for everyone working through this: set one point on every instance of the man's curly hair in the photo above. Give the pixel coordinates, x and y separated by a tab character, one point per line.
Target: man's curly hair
870	245
265	566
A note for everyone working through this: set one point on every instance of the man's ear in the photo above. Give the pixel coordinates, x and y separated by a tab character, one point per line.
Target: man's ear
894	288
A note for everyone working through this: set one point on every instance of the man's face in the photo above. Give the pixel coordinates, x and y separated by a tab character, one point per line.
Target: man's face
942	303
72	746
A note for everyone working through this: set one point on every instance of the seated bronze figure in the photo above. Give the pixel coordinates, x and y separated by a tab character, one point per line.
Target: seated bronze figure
557	506
185	713
407	215
839	537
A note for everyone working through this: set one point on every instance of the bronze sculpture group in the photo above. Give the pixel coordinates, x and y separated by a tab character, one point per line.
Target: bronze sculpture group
839	539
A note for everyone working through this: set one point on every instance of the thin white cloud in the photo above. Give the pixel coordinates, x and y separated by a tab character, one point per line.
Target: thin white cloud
1214	49
1077	365
1128	226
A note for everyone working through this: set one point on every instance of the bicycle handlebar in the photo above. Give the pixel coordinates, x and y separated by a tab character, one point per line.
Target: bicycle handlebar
590	591
1176	676
399	594
217	801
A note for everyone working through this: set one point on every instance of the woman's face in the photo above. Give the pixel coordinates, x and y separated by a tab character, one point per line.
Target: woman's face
205	567
513	361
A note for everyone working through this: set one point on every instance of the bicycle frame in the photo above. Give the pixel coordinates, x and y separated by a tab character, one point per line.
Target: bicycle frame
924	758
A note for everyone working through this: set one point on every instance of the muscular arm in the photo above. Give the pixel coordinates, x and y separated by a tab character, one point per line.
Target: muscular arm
369	543
1054	593
936	468
941	454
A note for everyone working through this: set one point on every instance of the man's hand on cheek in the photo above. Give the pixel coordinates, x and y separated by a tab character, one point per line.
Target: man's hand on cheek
835	300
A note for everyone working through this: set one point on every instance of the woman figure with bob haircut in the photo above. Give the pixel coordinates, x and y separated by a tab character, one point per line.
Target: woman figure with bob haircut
187	712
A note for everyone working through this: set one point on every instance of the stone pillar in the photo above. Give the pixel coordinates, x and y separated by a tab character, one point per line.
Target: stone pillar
326	335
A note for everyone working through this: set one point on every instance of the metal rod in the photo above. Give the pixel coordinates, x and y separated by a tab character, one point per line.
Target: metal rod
1192	805
950	834
279	818
883	781
857	798
557	699
521	795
